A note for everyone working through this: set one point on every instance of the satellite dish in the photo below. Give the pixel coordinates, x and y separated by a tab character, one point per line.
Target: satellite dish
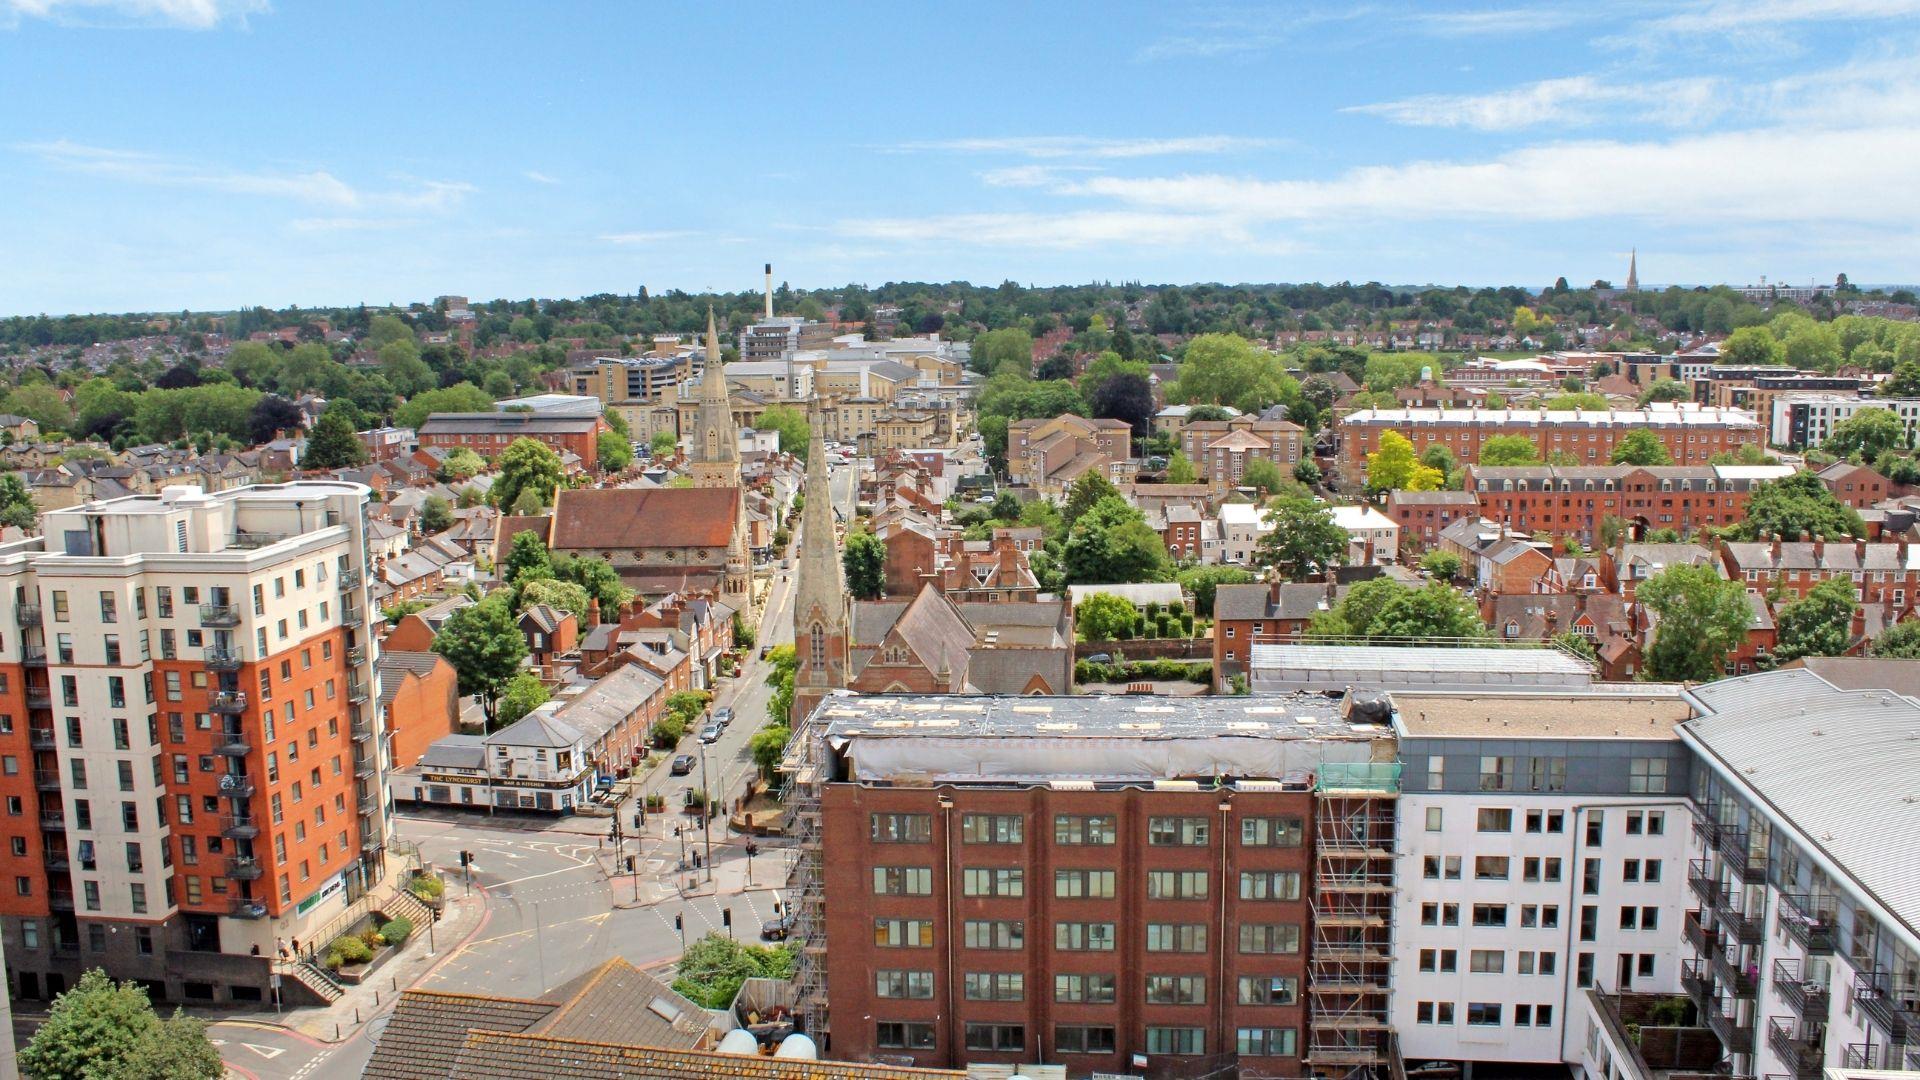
797	1048
740	1042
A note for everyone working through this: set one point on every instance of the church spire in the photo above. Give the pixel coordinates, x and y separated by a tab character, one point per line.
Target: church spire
820	592
716	443
1633	271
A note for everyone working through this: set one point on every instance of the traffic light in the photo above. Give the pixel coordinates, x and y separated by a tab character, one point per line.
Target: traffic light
726	917
466	858
629	864
679	923
752	849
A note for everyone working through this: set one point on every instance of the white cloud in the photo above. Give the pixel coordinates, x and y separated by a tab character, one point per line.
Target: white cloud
657	237
319	188
1068	230
1048	147
1579	99
349	224
1029	176
1737	16
1768	175
1497	21
176	14
540	177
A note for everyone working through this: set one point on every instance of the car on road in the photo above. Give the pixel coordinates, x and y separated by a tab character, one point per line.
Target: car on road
723	716
777	929
710	733
764	650
682	765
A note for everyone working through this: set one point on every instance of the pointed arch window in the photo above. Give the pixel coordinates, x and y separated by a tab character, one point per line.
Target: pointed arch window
817	645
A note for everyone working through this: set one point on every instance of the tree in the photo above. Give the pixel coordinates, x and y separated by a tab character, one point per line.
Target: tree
528	465
1441	459
40	403
794	428
1203	583
1356	612
102	1030
601	582
1112	544
1665	389
1126	395
1509	450
864	559
1307	471
1701	619
332	444
1263	476
384	330
1089	489
713	968
615	452
409	375
524	694
436	515
1580	645
1441	565
1904	382
1435	610
1003	350
483	643
1641	447
527	559
1180	470
1105	617
768	746
562	595
663	444
461	464
1570	402
460	397
1817	624
1227	369
16	503
271	415
1901	641
1394	468
1304	540
1751	346
1869	433
1797	507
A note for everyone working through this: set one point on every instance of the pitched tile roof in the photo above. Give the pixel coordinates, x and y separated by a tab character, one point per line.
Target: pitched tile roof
427	1025
394	666
642	518
618	997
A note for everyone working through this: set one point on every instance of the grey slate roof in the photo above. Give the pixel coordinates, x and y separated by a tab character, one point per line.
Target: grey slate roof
392	665
428	1025
535	729
456	752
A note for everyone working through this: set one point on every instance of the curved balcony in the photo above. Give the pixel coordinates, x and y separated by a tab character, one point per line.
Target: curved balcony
225	615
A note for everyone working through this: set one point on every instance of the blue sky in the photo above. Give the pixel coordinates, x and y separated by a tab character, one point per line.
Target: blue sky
159	154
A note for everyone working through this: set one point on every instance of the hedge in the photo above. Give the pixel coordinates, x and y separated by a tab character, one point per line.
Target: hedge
397	931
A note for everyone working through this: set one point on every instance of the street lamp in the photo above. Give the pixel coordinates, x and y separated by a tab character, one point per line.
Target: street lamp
706	810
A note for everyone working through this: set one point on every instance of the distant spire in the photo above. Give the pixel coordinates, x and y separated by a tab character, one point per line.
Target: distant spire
1633	271
715	439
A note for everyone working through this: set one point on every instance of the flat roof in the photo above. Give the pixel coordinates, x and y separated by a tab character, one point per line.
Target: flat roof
955	716
1650	714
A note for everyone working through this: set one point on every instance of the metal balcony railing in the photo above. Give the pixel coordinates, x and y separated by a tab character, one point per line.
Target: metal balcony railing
227	701
239	826
1737	851
1697	935
58	862
1807	997
53	820
1741	980
243	868
39	698
46	779
246	907
40	738
236	785
222	660
1737	1039
1799	1053
1809	920
219	615
232	744
362	728
249	540
60	901
27	614
356	655
357	692
349	579
1873	992
33	655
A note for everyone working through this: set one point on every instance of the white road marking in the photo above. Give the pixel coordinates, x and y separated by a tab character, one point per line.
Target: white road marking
268	1052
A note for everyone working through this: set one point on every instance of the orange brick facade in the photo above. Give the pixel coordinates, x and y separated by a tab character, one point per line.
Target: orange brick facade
1586	438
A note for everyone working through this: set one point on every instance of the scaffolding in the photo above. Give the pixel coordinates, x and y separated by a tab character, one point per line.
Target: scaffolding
1349	964
805	770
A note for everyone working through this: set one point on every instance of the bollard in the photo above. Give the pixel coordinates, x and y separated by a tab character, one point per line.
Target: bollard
356	1014
376	997
396	983
336	1033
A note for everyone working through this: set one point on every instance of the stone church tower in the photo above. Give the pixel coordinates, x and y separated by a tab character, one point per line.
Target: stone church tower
714	460
820	596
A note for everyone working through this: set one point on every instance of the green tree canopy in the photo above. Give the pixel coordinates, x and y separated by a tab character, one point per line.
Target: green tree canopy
1204	581
484	645
461	397
863	558
1105	617
1817	624
1702	618
527	465
527	559
1180	470
102	1030
1263	476
16	503
436	515
1090	488
1901	641
601	582
1304	540
461	464
1112	544
663	444
768	746
1003	350
523	694
791	423
1665	389
332	444
1641	447
1752	346
1869	433
1443	565
1797	507
1394	468
1435	610
1227	369
713	968
564	595
1508	450
615	452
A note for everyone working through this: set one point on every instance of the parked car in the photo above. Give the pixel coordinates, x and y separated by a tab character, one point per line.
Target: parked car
682	765
777	929
710	733
723	716
1100	658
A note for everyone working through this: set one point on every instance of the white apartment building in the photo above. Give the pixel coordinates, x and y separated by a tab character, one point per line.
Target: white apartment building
1241	527
1373	538
198	772
1542	851
1804	420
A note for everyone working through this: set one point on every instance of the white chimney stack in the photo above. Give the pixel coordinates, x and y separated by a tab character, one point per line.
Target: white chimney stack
769	290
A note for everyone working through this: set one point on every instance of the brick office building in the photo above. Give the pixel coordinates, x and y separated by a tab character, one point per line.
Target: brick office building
1221	450
1693	434
1010	907
1424	515
1574	501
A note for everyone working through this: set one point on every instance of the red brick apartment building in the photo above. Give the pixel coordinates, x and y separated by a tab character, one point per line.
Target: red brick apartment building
1693	434
1883	574
1221	450
1573	501
1025	914
489	434
1423	515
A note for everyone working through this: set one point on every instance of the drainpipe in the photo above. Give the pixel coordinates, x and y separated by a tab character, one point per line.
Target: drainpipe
1220	947
946	869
